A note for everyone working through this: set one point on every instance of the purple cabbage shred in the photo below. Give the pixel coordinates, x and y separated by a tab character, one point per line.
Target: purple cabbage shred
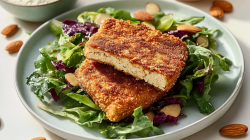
53	93
172	100
178	33
61	65
182	114
71	27
199	86
161	117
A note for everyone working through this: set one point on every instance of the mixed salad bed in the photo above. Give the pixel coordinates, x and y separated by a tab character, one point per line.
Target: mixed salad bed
65	54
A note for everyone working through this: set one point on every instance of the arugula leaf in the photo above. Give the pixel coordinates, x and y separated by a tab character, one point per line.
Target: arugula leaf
187	86
141	126
200	72
202	99
83	115
29	33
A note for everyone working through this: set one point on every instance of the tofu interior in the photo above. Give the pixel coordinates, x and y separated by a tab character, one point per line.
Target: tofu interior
123	64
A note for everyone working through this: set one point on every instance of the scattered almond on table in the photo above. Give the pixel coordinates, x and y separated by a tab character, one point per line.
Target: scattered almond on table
39	138
233	130
219	7
9	30
224	5
216	12
14	46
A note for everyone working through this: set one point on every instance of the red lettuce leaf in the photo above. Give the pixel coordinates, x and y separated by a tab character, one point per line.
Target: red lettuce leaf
61	65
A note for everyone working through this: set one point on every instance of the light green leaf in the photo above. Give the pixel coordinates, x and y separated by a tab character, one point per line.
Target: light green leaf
86	17
83	99
56	27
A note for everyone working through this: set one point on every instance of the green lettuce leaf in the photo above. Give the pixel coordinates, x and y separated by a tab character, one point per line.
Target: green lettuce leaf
163	22
83	99
64	41
45	77
81	115
74	57
141	126
63	49
157	17
125	15
189	21
56	27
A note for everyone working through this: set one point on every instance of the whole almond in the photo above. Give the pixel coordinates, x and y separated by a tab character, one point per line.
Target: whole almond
234	129
216	12
143	15
14	46
188	28
224	5
9	30
39	138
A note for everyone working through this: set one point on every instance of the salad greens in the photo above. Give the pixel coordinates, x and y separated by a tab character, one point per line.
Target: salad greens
64	55
141	126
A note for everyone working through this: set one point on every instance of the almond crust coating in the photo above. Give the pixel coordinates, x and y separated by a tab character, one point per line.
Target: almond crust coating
152	50
114	92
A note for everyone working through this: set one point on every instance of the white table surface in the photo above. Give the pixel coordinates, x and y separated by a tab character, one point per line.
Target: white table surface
18	124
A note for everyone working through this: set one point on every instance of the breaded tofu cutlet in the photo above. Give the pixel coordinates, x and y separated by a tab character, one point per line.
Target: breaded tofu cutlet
113	91
139	51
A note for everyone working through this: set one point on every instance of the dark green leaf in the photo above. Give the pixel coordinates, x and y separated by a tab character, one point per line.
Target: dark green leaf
141	126
121	14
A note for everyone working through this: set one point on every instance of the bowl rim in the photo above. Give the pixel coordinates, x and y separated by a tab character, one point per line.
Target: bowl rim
20	5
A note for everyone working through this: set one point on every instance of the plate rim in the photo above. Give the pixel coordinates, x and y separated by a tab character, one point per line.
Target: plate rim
230	98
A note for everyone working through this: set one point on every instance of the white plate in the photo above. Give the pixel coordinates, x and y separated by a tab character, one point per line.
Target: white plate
223	92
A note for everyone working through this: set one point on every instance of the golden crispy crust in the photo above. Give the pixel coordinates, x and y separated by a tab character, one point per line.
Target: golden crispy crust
154	51
114	92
